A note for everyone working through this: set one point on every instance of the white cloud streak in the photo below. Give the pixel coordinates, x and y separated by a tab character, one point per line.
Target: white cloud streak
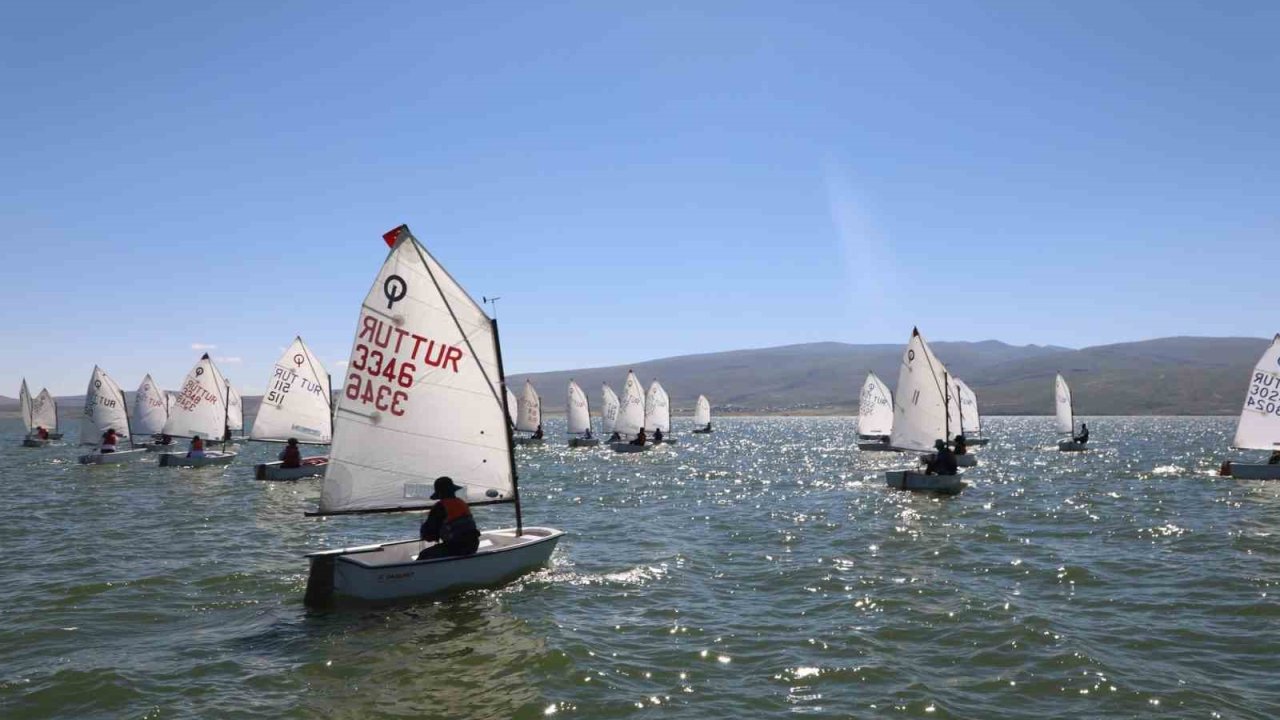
203	346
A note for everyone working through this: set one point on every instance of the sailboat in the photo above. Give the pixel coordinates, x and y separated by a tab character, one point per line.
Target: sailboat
235	415
702	416
529	416
296	406
609	407
657	414
32	439
956	409
921	416
630	416
200	409
44	414
875	415
443	414
970	417
1259	425
105	409
1064	420
150	413
513	406
578	418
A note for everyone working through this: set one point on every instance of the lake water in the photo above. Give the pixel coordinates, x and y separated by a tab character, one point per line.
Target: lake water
760	571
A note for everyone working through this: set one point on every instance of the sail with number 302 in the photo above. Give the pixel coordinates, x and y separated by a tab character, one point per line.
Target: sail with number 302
423	398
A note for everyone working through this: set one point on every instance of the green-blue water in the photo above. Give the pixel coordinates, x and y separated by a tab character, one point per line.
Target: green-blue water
759	571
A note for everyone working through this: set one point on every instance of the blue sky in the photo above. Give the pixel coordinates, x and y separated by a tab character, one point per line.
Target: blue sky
635	180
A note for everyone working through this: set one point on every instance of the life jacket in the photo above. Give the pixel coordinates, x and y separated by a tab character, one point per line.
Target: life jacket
197	444
109	442
458	526
292	457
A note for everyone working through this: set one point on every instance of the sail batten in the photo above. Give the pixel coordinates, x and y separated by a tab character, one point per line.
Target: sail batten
1259	424
609	408
422	396
296	403
875	408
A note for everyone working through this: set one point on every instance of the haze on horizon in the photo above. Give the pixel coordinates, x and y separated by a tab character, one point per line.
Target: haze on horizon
634	182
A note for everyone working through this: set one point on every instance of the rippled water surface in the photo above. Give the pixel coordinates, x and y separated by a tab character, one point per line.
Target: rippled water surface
759	571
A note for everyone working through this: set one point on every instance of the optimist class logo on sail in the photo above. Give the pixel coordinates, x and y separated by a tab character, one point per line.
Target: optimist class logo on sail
385	359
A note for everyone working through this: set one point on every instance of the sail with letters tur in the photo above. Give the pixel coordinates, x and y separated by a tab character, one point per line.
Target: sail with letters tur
875	408
609	407
579	412
104	408
1064	420
1259	424
529	417
200	407
44	411
150	408
657	409
296	403
431	408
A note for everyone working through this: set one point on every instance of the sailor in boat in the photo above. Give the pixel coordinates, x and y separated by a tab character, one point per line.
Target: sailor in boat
657	436
615	437
196	449
707	428
109	440
1083	437
449	524
537	434
961	445
163	439
586	435
41	433
291	456
640	438
1275	458
943	462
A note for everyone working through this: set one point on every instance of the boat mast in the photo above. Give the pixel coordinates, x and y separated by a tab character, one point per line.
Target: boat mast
128	426
511	455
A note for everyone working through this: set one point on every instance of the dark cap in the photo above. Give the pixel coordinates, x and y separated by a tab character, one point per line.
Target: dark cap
444	488
293	441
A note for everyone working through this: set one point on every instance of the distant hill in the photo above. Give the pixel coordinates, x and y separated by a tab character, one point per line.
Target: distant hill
1168	376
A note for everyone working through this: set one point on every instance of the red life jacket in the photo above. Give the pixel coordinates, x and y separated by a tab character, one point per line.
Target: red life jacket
458	523
197	444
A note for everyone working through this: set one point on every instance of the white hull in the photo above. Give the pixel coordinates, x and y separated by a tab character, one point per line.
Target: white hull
1255	471
114	458
389	571
1071	446
583	442
34	442
626	447
909	480
311	467
211	457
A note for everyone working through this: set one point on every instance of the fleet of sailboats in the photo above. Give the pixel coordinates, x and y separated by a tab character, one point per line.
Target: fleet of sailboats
297	406
443	415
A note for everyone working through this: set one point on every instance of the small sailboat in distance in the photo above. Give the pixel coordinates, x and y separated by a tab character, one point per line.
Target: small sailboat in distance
105	410
956	409
609	407
630	417
578	418
1259	424
657	414
27	405
234	431
921	416
970	417
44	413
150	413
875	415
443	415
702	416
1064	416
297	406
529	416
199	410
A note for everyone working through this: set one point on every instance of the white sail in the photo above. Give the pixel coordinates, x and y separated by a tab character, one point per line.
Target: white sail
657	409
150	408
296	403
1259	427
970	418
201	405
24	401
169	397
1064	422
579	413
530	415
235	410
920	406
630	409
702	412
609	407
421	395
875	408
104	408
513	407
44	411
